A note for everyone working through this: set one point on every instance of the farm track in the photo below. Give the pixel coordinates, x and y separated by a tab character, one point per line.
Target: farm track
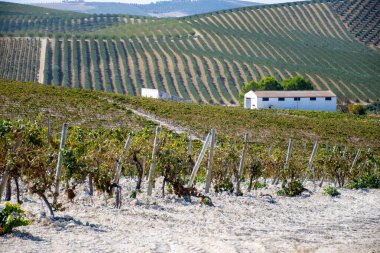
83	54
151	117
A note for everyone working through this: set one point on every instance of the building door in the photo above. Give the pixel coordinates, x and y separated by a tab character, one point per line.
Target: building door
248	103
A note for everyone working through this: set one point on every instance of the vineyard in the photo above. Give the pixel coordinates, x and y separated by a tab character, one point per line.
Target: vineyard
98	167
361	18
205	58
20	59
89	109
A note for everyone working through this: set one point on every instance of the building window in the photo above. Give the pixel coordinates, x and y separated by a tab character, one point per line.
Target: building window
328	98
313	99
281	99
265	99
297	99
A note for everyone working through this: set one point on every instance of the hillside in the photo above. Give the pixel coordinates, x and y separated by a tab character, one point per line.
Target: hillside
173	8
206	58
361	18
28	101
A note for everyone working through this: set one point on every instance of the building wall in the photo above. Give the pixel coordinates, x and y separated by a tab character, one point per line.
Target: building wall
304	104
154	93
150	93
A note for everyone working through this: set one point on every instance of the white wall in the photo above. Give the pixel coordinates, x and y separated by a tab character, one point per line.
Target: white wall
150	93
304	104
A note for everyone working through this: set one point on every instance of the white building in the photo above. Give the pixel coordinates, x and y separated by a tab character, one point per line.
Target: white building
154	93
294	100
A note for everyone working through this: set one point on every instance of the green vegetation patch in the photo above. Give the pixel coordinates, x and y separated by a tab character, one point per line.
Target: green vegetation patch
27	101
167	27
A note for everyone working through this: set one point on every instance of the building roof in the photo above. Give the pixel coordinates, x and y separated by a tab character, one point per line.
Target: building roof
292	93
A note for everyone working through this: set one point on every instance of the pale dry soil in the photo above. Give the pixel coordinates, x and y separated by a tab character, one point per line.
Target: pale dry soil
251	223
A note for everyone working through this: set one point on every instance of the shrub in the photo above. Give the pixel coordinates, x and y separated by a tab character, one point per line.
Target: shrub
356	109
10	217
331	191
226	185
366	181
259	185
294	188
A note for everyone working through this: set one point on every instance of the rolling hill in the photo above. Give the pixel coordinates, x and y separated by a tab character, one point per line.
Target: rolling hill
206	58
173	8
92	109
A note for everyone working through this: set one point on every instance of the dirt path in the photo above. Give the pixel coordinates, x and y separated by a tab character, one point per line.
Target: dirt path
163	122
42	60
83	54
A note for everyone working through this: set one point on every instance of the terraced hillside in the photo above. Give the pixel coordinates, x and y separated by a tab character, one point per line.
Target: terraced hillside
362	19
207	58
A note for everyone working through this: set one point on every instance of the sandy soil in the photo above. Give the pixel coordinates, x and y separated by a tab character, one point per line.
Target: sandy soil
42	60
252	223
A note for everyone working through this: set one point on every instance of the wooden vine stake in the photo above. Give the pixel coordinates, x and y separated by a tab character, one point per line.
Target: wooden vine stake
152	169
199	160
190	146
4	181
310	163
49	132
119	164
374	163
355	159
241	165
289	154
210	162
58	171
